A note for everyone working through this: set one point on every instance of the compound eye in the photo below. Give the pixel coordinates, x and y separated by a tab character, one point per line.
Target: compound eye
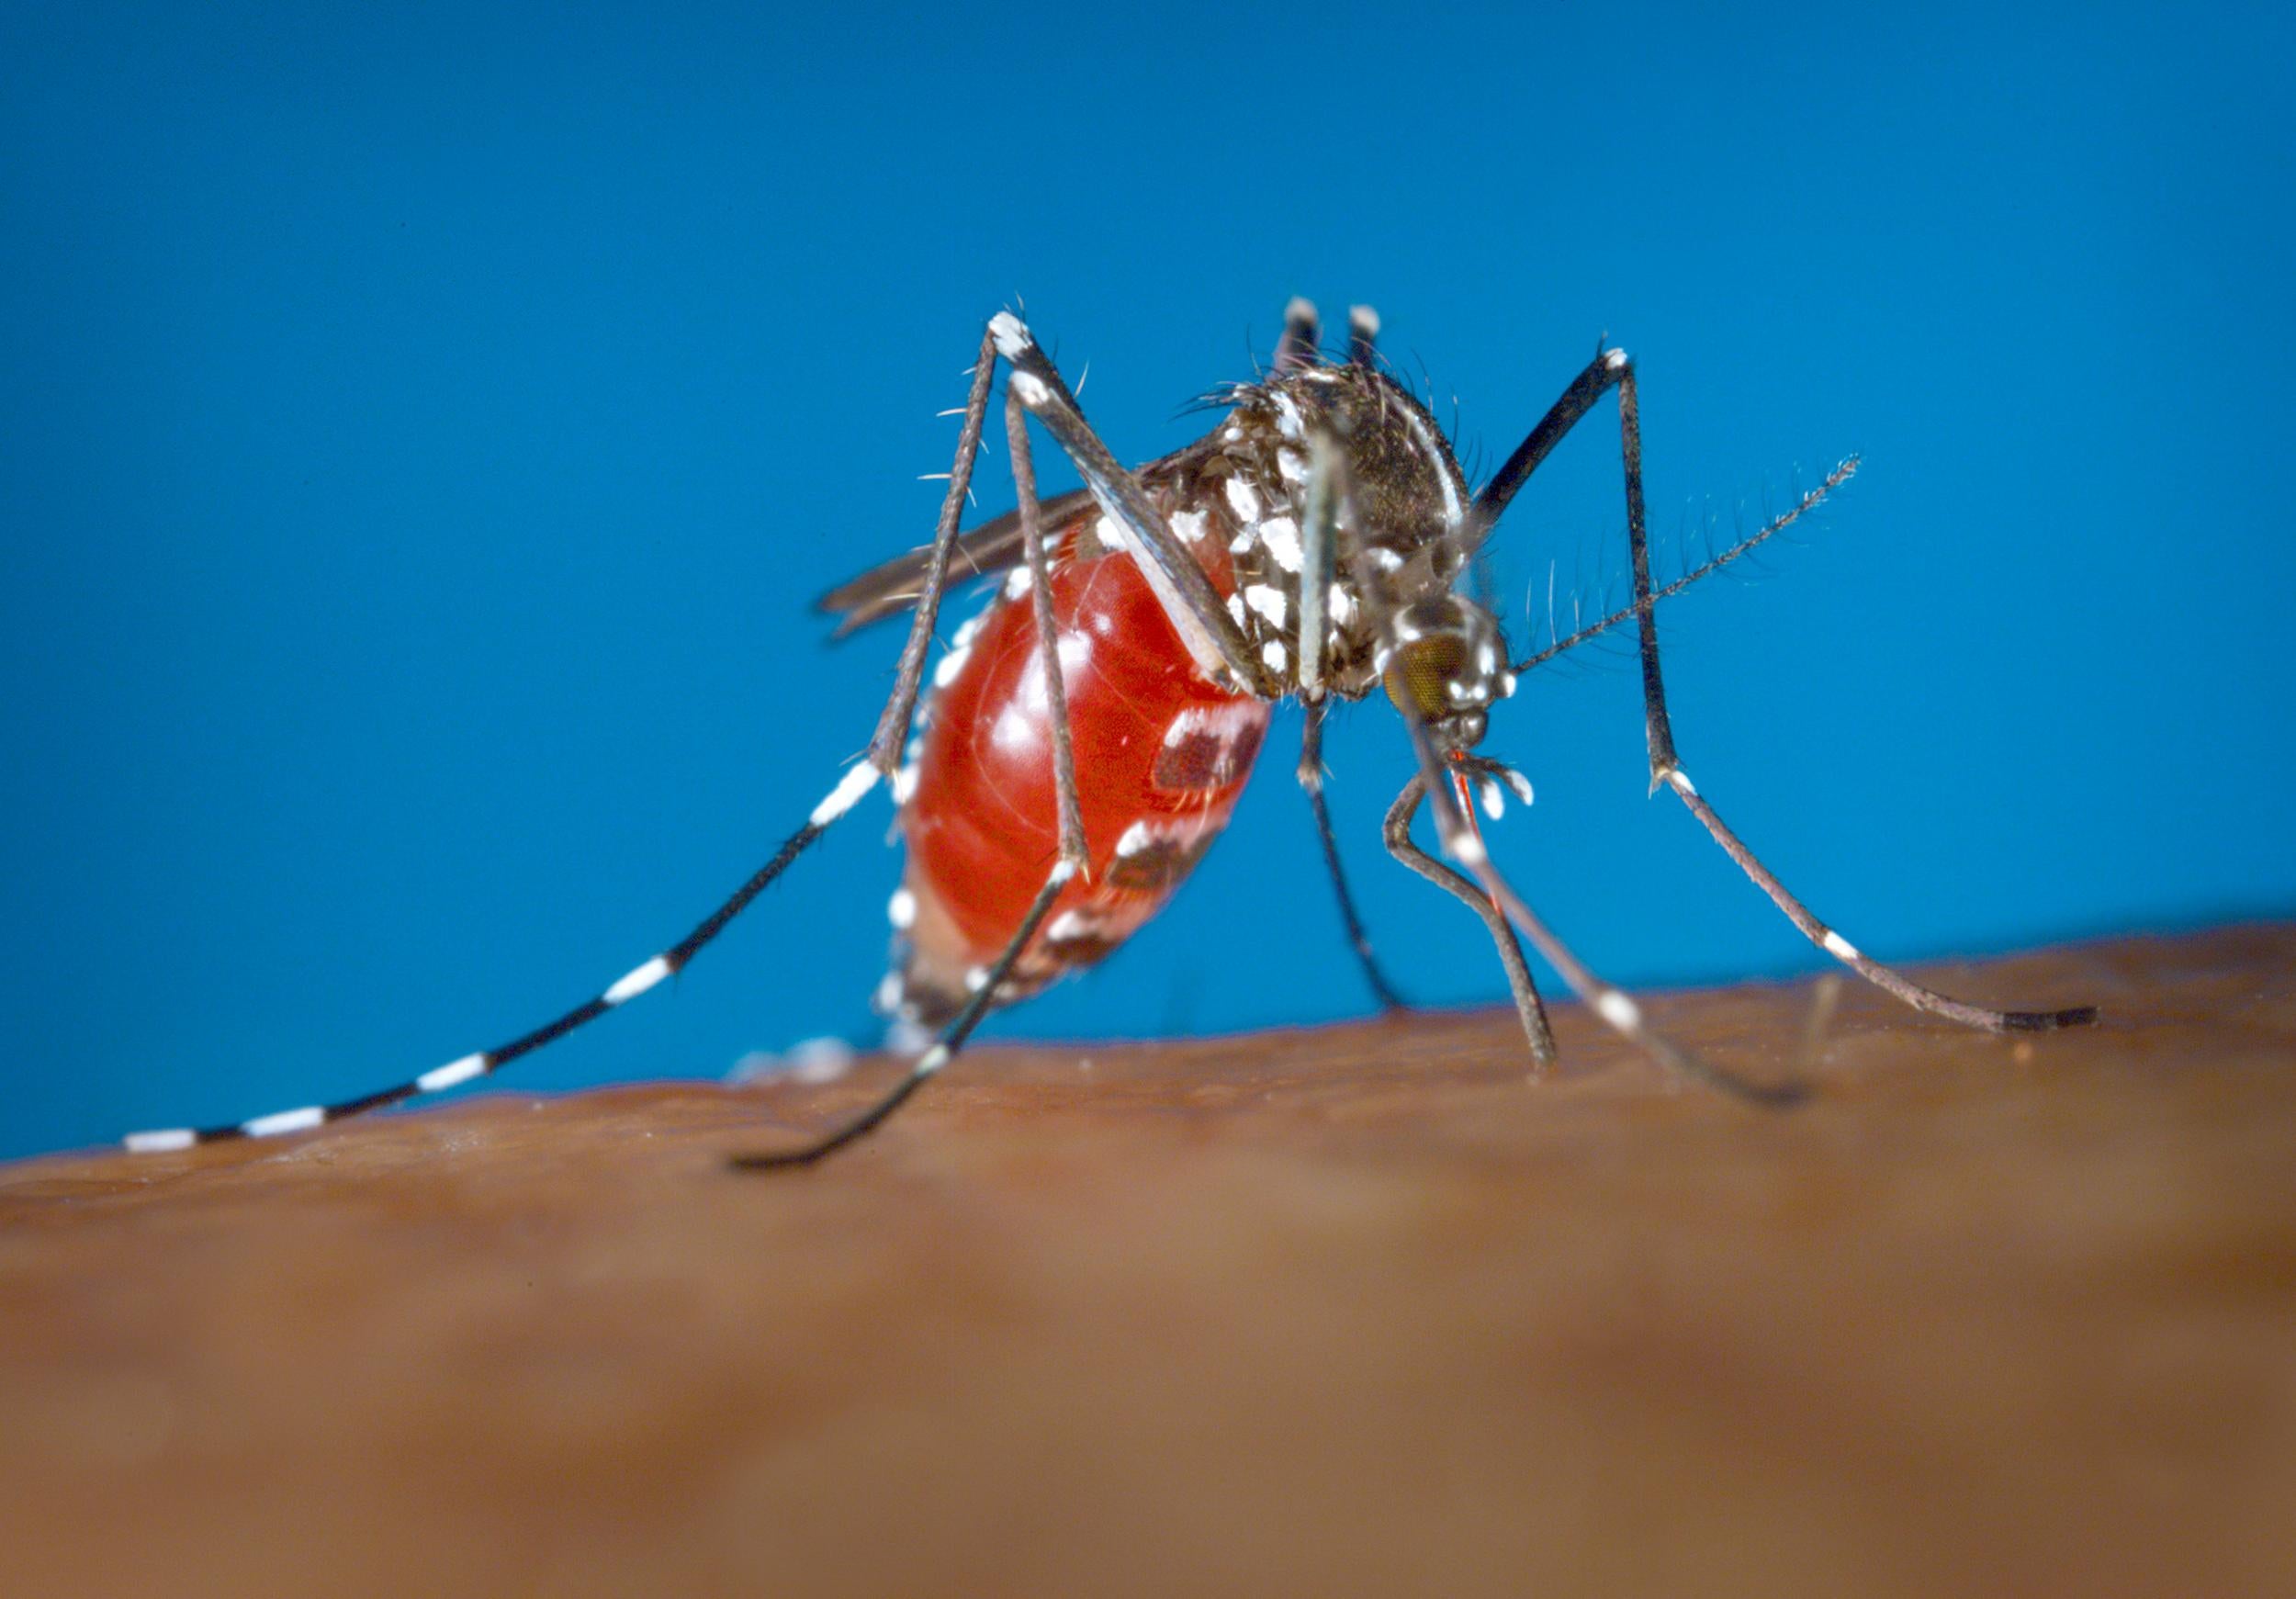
1422	674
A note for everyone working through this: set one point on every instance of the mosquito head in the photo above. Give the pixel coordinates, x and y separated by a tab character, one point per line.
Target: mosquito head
1447	662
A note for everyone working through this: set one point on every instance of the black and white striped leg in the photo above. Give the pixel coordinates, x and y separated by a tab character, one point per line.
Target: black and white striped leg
1613	369
1843	951
1189	601
1614	1005
1073	856
1442	778
944	1048
856	783
1310	774
1666	768
1528	1005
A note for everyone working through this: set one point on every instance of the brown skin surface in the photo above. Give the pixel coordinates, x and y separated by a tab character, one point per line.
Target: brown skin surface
1355	1311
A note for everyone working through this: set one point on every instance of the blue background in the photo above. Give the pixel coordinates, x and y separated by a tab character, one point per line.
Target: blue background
423	429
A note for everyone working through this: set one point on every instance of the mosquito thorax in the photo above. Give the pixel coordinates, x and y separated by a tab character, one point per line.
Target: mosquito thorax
1407	498
1448	664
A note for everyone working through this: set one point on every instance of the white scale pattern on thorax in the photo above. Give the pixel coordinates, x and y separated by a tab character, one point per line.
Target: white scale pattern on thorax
1258	504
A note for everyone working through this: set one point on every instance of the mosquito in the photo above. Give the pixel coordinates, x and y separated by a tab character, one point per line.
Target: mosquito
1086	740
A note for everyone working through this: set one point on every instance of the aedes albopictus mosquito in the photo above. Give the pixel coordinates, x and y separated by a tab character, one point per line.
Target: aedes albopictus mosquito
1086	737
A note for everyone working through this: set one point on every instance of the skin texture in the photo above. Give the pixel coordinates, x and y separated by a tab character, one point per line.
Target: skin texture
1355	1311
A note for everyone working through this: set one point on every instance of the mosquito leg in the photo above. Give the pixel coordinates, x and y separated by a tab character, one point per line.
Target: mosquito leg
1320	533
858	779
1072	852
1073	859
1589	386
1614	1005
1311	778
1527	1003
1612	369
1442	773
1193	607
1849	954
1666	768
1319	558
892	724
943	1051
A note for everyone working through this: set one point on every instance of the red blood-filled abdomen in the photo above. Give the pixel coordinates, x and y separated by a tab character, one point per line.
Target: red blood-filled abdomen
1162	756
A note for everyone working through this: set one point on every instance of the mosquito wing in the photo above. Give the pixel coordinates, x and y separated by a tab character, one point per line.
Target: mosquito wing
993	547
